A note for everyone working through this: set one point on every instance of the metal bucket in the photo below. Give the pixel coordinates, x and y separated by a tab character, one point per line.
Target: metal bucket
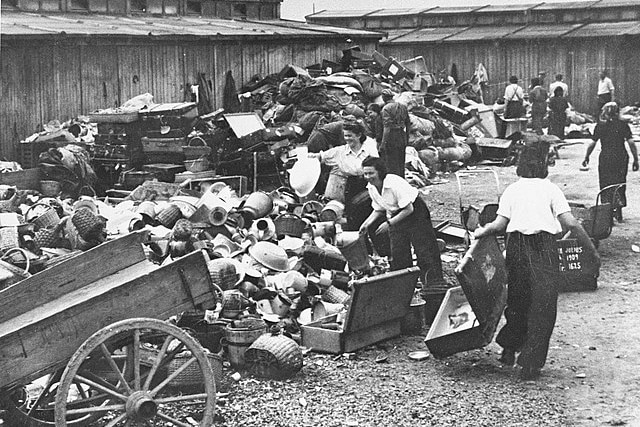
238	336
356	254
336	185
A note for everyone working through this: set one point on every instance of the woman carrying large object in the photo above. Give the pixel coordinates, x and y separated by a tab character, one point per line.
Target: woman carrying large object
534	212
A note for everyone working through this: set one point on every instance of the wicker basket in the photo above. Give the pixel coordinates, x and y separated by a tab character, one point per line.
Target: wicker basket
223	273
49	188
192	376
196	148
48	218
288	224
274	356
197	165
169	215
9	238
335	295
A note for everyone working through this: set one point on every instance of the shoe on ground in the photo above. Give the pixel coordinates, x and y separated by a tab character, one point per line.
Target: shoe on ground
529	374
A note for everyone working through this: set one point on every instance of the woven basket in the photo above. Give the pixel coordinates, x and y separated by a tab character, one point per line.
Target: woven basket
192	376
9	238
87	223
274	356
197	165
49	188
45	238
196	148
288	224
169	215
335	295
223	273
48	218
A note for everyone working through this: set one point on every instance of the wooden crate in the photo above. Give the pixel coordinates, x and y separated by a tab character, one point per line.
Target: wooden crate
378	305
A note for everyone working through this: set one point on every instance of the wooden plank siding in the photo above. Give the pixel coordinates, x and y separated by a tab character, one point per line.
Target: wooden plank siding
47	80
580	60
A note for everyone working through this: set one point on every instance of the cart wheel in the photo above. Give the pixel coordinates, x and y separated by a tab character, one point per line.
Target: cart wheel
137	391
32	405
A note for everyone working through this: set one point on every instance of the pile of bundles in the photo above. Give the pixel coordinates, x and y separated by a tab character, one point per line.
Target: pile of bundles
293	99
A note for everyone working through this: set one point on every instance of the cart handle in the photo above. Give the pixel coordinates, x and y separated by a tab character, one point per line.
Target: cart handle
466	173
616	187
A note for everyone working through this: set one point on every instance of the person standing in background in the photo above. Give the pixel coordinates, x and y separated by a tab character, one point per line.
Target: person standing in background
559	83
514	98
538	99
558	105
373	120
613	162
605	89
396	123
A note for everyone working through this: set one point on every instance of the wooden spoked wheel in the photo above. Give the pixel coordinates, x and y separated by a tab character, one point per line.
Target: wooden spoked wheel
33	405
137	388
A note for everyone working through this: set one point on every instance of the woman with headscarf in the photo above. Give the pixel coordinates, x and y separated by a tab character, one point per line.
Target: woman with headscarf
396	123
613	161
534	212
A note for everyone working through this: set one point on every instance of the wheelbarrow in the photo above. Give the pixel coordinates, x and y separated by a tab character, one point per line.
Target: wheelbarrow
597	220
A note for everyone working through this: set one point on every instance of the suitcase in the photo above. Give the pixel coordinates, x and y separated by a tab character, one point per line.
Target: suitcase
469	314
378	305
163	145
177	116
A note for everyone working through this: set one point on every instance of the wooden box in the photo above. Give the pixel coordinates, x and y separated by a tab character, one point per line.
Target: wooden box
377	307
494	148
469	314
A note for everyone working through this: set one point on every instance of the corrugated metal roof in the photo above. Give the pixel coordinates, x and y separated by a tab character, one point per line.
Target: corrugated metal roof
616	3
497	8
426	35
452	10
567	5
400	12
543	31
346	13
35	24
484	33
607	29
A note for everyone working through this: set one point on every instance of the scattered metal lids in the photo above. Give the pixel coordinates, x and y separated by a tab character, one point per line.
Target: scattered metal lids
419	355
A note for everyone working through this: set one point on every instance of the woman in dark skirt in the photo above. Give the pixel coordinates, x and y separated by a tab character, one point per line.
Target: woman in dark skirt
558	105
534	212
613	162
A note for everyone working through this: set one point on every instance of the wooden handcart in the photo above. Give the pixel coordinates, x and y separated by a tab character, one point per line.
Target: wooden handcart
85	342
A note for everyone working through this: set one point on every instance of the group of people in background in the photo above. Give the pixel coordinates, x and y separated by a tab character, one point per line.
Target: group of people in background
540	100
